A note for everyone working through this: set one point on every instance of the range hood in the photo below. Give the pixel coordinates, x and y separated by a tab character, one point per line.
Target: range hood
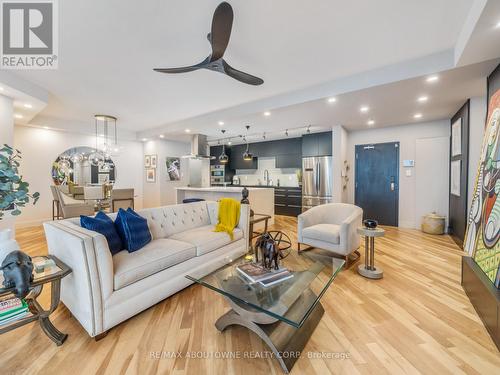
199	148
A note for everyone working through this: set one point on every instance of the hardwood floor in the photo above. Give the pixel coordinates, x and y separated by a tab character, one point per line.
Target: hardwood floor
417	319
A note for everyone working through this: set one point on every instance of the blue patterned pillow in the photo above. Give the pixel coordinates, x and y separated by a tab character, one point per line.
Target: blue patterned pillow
102	224
133	230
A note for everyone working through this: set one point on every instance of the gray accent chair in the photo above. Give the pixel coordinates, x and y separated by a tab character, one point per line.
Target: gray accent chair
332	227
71	207
122	198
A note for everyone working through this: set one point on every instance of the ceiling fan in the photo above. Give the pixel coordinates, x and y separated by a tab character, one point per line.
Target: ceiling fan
222	23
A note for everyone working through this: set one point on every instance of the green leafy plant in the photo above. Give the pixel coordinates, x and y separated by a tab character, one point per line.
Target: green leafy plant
14	192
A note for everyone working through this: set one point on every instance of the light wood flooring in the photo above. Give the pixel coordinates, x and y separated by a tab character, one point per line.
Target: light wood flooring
417	319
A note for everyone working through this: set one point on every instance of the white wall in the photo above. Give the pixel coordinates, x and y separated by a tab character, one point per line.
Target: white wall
6	136
162	192
477	123
41	147
339	152
407	135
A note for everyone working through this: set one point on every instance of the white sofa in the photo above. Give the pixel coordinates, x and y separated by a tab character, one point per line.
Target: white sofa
104	290
331	227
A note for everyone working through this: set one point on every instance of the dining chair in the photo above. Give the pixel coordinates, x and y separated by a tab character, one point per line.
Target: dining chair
122	198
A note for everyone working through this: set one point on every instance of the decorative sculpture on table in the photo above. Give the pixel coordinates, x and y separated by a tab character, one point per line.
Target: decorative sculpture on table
18	272
483	229
370	223
244	199
270	252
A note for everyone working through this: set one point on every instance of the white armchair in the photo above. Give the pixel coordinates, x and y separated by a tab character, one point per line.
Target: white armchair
331	227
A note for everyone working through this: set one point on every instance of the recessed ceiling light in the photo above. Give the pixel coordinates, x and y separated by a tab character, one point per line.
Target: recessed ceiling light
267	113
371	122
497	26
45	127
423	99
417	115
364	108
28	105
144	139
433	78
188	130
229	143
332	100
17	115
221	123
162	136
1	88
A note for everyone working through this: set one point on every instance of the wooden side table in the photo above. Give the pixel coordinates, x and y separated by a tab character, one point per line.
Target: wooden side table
368	269
52	275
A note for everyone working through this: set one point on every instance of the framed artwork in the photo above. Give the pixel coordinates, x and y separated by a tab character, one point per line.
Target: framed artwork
147	161
173	168
483	229
154	159
456	138
150	175
455	177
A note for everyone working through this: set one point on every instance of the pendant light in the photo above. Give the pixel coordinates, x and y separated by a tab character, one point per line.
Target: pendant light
247	156
223	158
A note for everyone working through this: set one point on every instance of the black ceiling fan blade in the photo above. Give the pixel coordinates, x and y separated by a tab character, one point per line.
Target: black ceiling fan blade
222	22
177	70
241	76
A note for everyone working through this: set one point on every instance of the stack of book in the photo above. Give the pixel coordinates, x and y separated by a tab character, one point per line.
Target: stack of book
255	273
12	309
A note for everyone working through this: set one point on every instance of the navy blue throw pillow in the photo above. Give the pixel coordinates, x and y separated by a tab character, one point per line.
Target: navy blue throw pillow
102	224
133	230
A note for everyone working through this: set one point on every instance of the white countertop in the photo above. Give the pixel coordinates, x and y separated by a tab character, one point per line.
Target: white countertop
227	189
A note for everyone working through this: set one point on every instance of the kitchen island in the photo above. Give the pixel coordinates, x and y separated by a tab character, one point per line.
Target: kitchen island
261	198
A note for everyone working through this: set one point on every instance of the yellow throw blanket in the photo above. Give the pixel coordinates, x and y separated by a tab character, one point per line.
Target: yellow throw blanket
229	216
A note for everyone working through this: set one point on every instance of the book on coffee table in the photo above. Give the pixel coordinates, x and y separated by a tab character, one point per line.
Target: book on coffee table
256	273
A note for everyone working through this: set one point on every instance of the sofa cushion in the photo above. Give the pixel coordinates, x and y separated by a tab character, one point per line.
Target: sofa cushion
205	239
323	232
102	224
152	258
133	230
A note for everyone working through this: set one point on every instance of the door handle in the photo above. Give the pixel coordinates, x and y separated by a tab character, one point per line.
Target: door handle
393	184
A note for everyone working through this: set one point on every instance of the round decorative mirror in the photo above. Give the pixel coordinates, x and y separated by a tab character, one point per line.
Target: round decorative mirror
83	166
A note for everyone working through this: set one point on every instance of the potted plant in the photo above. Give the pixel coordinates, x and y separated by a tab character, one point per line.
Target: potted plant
14	192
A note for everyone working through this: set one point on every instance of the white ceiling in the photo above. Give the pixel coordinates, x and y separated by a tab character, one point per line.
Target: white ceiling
389	104
108	50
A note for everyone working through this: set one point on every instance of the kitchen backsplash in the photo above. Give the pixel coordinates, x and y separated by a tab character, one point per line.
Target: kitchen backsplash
287	176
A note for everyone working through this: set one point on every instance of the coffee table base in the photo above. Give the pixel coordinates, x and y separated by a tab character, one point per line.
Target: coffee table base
286	341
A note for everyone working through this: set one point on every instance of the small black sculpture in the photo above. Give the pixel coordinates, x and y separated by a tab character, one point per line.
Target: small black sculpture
370	223
244	200
18	272
270	252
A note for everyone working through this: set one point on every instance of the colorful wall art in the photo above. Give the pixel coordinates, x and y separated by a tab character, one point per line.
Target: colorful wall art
483	229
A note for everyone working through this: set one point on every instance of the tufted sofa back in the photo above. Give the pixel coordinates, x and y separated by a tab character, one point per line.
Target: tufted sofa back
168	220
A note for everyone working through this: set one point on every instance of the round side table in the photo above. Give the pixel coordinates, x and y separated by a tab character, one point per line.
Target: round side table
368	269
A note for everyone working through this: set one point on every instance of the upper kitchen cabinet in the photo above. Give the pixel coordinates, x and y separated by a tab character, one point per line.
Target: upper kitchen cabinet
289	161
317	144
236	159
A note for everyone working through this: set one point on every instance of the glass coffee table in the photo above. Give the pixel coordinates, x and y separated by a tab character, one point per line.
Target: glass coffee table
284	315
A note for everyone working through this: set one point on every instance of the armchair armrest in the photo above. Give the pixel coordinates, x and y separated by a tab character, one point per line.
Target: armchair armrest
304	220
91	282
349	238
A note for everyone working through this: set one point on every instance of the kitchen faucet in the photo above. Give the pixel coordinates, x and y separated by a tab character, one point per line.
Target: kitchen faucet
266	177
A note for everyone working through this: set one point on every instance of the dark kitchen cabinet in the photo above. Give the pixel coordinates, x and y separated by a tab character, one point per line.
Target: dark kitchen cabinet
287	201
236	160
317	144
289	161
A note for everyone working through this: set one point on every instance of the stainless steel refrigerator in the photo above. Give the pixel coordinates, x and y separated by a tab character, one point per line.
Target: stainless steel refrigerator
316	181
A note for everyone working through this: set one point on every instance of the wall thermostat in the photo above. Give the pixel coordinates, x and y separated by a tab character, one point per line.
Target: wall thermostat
408	163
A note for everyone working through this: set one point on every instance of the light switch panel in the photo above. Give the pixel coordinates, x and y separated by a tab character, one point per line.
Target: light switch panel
408	172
